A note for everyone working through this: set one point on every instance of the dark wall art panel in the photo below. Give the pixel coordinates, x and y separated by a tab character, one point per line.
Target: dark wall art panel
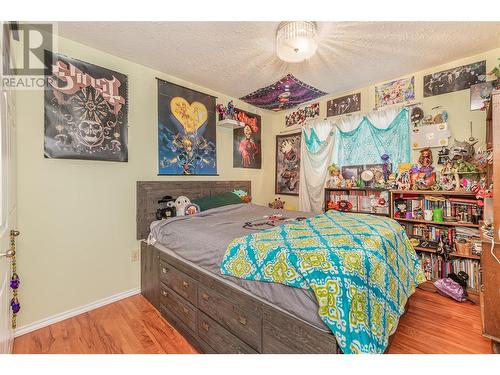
86	110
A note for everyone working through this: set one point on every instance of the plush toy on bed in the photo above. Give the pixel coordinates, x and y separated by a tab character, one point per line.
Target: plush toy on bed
277	204
181	204
244	196
192	209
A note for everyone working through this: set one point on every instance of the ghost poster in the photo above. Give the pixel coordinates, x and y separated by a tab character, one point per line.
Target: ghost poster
288	163
186	131
86	110
247	152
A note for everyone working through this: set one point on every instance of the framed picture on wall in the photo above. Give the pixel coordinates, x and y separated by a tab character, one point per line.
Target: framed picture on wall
288	163
480	94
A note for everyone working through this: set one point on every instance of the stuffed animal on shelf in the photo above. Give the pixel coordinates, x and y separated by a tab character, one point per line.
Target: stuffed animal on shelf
181	204
277	204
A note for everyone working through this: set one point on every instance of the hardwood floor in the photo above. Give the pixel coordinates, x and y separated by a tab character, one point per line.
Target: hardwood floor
129	326
439	325
433	324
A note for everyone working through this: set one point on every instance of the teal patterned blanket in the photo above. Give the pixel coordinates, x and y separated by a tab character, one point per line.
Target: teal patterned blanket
361	268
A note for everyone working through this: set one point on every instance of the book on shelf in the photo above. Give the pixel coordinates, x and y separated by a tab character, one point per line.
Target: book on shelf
458	210
435	267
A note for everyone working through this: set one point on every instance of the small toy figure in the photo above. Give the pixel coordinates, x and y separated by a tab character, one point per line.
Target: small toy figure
400	209
231	111
222	111
416	117
424	177
462	150
427	269
443	155
336	178
277	204
385	158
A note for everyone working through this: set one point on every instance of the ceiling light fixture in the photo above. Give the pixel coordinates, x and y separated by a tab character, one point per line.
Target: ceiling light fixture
296	41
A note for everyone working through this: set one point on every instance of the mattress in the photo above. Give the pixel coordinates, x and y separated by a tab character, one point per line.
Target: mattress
202	240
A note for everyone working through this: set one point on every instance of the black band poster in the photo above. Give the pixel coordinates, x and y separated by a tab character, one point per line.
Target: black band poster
86	108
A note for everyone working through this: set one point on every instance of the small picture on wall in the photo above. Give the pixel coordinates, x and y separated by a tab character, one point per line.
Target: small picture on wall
456	79
288	163
247	151
399	91
480	94
343	105
301	115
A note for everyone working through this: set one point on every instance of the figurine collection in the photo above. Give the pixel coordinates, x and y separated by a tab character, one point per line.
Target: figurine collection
462	169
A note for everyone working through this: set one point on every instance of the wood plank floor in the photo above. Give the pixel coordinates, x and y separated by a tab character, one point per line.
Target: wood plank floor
433	324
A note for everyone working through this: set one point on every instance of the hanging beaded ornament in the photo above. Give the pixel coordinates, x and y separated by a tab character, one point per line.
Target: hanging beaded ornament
14	280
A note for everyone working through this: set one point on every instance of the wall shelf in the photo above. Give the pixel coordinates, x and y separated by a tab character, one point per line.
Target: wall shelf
231	124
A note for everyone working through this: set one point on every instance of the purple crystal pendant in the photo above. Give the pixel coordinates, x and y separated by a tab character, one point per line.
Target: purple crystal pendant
15	305
14	281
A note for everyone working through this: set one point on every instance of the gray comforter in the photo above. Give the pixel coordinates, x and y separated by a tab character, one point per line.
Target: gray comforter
203	239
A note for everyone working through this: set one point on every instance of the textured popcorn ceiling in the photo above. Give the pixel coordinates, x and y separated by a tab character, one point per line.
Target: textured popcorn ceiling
236	58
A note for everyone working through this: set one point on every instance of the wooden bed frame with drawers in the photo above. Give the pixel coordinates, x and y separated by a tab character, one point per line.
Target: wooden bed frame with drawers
212	315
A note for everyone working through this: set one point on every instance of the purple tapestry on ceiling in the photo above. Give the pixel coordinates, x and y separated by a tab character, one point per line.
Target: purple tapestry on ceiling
285	93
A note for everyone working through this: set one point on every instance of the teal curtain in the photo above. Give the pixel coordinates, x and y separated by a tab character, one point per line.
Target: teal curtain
367	143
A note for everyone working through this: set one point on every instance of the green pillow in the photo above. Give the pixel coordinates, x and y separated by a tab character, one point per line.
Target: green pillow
215	201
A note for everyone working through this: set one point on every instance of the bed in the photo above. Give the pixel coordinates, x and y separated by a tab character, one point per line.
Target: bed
220	313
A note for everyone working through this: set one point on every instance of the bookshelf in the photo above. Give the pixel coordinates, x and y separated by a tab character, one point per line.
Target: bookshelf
360	199
456	224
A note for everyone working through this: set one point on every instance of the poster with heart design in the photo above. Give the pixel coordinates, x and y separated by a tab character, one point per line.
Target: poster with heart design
186	131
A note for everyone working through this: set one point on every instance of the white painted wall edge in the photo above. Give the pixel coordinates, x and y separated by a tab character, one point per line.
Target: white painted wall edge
74	312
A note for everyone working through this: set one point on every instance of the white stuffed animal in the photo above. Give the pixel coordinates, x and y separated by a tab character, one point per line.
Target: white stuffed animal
180	205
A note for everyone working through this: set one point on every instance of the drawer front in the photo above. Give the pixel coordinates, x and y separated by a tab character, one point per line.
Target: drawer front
184	311
221	340
245	325
179	282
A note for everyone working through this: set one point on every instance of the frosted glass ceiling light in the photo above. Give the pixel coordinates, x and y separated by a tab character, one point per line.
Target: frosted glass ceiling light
296	41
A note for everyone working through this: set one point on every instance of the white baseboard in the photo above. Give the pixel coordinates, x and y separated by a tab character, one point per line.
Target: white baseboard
73	312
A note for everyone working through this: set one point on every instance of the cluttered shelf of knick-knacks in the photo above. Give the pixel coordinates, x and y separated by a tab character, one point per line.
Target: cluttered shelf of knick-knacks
433	251
367	200
435	192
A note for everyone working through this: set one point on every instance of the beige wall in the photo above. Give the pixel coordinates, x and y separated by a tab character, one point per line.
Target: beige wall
457	104
77	218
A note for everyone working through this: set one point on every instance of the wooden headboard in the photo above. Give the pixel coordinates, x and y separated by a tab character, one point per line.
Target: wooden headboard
149	192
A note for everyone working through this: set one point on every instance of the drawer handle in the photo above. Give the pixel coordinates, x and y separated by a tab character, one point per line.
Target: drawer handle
243	321
205	297
164	270
185	284
165	294
205	326
185	311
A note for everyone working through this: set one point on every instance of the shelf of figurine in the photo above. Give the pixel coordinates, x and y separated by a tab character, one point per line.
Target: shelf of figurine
227	116
462	169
